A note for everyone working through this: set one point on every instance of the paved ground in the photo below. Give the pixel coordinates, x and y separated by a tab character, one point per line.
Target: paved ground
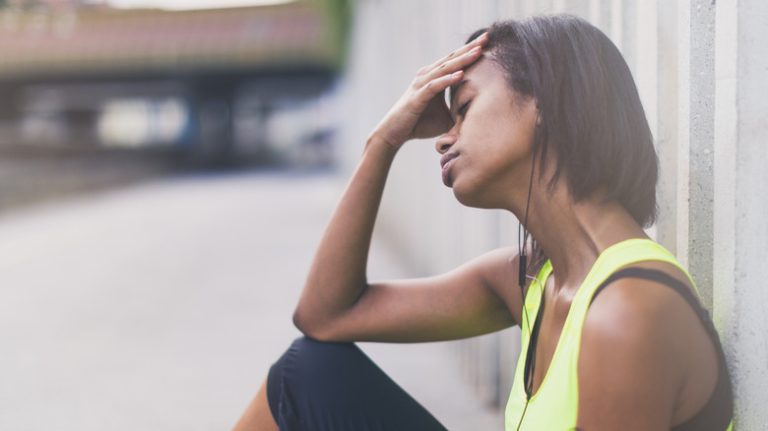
40	174
161	306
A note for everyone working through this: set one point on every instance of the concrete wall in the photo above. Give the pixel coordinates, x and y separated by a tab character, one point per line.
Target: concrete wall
740	202
702	78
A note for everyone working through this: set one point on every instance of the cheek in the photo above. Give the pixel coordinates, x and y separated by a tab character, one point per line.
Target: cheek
486	134
503	143
494	140
498	147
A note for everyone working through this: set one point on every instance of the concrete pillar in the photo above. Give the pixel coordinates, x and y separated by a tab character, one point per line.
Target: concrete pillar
577	7
646	56
696	143
600	14
639	35
629	32
666	126
616	23
741	203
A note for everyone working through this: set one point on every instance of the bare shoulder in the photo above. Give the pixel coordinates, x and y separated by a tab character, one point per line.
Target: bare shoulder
638	341
500	270
636	311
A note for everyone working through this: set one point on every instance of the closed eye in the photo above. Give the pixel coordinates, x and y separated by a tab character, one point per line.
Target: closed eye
463	109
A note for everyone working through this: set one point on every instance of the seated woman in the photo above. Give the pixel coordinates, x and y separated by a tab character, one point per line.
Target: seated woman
544	120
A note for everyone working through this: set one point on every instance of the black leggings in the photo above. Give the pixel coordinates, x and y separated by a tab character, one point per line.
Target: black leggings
335	386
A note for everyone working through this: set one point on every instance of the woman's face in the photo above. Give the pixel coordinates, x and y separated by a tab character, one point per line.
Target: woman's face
491	138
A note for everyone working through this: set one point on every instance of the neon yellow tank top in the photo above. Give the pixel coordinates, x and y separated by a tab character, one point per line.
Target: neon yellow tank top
554	405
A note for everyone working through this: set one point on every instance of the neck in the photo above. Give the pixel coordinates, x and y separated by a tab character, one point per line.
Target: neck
573	235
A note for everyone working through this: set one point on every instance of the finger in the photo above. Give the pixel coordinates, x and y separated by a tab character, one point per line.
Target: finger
456	64
460	58
478	41
436	86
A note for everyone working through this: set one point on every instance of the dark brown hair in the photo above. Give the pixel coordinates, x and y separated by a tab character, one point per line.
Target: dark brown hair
590	109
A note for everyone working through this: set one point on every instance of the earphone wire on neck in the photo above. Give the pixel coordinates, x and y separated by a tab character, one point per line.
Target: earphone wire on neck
528	325
522	276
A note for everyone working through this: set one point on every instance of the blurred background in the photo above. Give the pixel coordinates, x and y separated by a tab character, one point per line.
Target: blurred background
167	168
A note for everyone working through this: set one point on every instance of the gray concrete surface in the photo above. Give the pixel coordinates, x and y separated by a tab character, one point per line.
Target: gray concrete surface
161	306
30	174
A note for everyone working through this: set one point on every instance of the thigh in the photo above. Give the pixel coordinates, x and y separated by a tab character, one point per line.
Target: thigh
335	386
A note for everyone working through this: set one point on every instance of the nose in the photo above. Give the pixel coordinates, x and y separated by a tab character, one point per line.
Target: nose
444	142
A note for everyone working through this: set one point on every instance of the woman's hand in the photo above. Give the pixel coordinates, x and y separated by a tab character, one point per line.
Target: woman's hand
421	112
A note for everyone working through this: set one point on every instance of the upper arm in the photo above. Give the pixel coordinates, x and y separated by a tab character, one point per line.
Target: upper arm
473	299
630	371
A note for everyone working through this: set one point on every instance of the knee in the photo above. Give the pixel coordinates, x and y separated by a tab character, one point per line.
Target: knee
310	360
306	345
309	366
308	355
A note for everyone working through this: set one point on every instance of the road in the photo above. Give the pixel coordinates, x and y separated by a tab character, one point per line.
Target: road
161	306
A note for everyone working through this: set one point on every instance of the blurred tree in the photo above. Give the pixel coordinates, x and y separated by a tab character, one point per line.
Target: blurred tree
339	18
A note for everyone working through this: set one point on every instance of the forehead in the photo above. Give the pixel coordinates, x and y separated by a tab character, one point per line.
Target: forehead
481	74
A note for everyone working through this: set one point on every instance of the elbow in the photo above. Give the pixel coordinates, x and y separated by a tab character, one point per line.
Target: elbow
308	328
299	323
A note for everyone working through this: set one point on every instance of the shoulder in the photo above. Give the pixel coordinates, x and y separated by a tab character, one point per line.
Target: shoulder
499	270
636	314
497	267
641	312
631	362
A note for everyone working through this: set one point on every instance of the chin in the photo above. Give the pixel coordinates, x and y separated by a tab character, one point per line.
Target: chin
470	197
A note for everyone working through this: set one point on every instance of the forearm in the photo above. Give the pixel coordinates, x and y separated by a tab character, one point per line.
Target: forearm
337	276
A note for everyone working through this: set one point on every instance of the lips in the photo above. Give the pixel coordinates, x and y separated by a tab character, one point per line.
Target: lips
445	164
447	157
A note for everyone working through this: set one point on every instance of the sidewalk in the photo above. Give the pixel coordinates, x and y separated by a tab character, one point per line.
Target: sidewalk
162	306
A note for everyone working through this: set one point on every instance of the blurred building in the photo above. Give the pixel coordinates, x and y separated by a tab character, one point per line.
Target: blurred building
52	4
700	69
78	73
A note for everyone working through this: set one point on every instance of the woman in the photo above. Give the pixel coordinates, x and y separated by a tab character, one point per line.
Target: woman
544	121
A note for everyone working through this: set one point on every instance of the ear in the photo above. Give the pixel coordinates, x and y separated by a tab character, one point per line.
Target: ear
538	114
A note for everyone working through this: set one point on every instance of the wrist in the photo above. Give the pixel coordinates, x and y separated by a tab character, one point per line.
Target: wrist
380	143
